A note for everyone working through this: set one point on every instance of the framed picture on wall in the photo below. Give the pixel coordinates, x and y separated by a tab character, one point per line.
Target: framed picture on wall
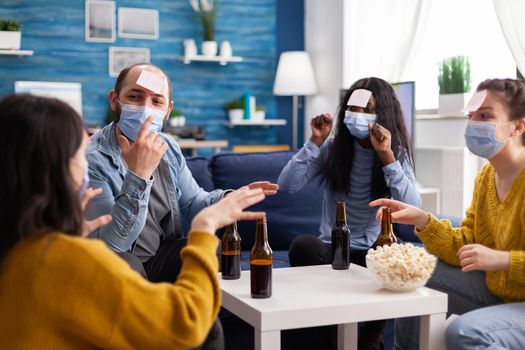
122	57
138	23
100	21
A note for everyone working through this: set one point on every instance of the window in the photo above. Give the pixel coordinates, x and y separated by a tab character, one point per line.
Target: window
466	27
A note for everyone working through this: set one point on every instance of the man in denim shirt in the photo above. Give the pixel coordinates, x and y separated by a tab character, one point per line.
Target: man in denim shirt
146	183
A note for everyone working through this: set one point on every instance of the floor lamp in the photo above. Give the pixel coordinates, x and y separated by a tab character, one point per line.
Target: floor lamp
294	77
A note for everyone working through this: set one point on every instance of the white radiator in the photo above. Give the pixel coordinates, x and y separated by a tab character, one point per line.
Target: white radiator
452	170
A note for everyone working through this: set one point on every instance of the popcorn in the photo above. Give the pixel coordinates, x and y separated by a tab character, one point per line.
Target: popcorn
400	267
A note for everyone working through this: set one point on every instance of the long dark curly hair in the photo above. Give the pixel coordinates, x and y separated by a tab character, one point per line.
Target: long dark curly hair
341	153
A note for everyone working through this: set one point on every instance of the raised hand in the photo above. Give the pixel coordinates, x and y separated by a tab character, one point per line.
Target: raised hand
229	209
91	225
402	213
381	140
478	257
143	156
321	126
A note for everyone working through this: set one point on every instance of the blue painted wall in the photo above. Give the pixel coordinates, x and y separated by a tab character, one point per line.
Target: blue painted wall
54	29
289	37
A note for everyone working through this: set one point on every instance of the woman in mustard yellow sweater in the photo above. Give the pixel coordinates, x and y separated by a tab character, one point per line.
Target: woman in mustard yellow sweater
59	290
482	263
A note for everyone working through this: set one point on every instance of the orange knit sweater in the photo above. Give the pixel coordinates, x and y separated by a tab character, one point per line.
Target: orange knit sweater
64	292
489	222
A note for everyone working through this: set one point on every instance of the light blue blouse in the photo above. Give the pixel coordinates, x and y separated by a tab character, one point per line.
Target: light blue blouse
307	165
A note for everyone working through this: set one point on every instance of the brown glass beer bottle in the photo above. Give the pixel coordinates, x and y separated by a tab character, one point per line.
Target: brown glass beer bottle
231	253
340	240
261	263
386	237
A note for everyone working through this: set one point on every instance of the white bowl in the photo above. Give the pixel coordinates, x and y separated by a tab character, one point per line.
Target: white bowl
400	267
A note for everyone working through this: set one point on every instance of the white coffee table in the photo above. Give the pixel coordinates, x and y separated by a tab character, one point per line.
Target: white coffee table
318	295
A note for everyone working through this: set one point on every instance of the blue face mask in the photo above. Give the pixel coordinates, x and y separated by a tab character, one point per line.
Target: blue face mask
357	123
132	117
481	139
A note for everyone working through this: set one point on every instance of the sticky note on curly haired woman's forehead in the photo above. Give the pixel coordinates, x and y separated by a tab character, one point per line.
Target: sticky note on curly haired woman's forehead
151	81
475	101
359	98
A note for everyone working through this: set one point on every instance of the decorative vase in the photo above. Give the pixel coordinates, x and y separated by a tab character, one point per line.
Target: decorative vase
10	40
177	121
190	49
226	49
236	115
209	48
452	104
259	116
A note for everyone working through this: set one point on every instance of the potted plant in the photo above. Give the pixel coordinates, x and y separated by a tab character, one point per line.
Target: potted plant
206	10
10	35
260	114
454	84
235	110
176	118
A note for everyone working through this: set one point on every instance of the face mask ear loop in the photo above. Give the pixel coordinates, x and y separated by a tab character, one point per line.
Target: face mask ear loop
511	135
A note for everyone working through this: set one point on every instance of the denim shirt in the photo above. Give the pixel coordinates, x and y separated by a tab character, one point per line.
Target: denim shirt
308	164
125	195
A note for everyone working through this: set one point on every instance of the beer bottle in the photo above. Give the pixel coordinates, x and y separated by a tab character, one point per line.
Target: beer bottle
386	237
261	263
341	240
231	253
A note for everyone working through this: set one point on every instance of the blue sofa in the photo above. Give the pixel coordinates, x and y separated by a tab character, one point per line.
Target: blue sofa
289	215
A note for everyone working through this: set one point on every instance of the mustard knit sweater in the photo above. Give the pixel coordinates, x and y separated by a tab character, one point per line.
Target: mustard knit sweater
64	292
494	224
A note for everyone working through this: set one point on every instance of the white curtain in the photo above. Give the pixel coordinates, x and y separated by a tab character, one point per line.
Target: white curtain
381	37
511	16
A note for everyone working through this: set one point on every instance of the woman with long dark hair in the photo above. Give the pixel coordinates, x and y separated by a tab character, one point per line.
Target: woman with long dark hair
59	290
368	157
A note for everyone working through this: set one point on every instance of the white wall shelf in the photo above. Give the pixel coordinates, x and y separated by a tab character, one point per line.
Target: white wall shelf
222	60
265	122
17	52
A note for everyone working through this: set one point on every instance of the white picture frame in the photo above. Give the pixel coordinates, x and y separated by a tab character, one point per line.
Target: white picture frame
122	57
138	23
100	21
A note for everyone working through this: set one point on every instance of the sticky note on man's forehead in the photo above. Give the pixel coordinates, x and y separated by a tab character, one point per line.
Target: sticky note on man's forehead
359	98
475	101
151	81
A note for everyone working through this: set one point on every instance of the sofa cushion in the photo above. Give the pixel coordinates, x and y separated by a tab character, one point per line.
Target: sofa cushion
200	169
289	215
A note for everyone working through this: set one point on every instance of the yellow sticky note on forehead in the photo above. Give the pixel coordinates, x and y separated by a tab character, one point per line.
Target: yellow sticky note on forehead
475	101
359	98
151	81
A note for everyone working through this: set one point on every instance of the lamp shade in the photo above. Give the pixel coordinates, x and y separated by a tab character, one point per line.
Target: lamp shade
295	75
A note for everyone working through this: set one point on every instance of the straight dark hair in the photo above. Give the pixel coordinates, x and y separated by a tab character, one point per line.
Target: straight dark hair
511	92
341	153
40	137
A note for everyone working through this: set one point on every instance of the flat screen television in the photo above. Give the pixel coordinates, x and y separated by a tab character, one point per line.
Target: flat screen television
406	93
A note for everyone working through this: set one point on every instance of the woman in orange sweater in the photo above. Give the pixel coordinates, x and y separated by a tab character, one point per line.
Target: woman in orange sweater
61	291
482	263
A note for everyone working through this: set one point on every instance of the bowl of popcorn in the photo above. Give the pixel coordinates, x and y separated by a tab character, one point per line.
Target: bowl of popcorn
400	267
